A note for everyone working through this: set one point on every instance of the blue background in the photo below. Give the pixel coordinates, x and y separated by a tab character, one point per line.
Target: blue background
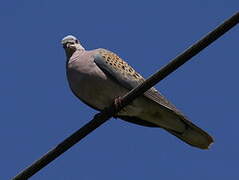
38	111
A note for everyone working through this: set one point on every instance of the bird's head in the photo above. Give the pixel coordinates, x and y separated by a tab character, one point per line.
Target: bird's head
71	44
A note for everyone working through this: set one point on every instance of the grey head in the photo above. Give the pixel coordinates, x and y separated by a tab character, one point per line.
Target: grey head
71	44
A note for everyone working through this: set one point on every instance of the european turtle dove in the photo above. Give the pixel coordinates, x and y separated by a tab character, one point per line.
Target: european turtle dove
98	77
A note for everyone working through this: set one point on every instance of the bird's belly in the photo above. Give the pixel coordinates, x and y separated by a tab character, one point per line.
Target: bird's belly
94	91
99	92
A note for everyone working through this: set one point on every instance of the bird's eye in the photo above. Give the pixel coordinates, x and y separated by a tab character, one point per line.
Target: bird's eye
76	41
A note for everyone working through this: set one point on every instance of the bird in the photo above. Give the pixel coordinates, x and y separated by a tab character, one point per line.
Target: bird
99	77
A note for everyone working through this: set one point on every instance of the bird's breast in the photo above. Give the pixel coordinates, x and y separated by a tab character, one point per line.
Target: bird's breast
92	86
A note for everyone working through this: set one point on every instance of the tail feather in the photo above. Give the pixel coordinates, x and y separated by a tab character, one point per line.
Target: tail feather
193	136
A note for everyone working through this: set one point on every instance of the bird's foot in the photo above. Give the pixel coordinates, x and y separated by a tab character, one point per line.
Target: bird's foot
118	103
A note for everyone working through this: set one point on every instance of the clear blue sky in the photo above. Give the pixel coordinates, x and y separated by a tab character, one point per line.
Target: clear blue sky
38	110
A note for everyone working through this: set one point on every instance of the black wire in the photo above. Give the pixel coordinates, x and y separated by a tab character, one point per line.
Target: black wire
102	117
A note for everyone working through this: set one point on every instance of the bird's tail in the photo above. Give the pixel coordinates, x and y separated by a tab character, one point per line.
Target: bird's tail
193	135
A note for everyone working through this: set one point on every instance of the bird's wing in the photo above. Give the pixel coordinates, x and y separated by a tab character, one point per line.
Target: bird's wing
125	75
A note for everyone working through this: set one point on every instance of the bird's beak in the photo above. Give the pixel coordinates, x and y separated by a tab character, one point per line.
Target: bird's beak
69	46
64	45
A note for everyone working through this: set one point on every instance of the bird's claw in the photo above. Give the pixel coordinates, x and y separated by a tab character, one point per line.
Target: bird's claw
118	103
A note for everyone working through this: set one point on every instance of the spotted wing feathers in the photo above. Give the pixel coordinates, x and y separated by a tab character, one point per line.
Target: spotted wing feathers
118	69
